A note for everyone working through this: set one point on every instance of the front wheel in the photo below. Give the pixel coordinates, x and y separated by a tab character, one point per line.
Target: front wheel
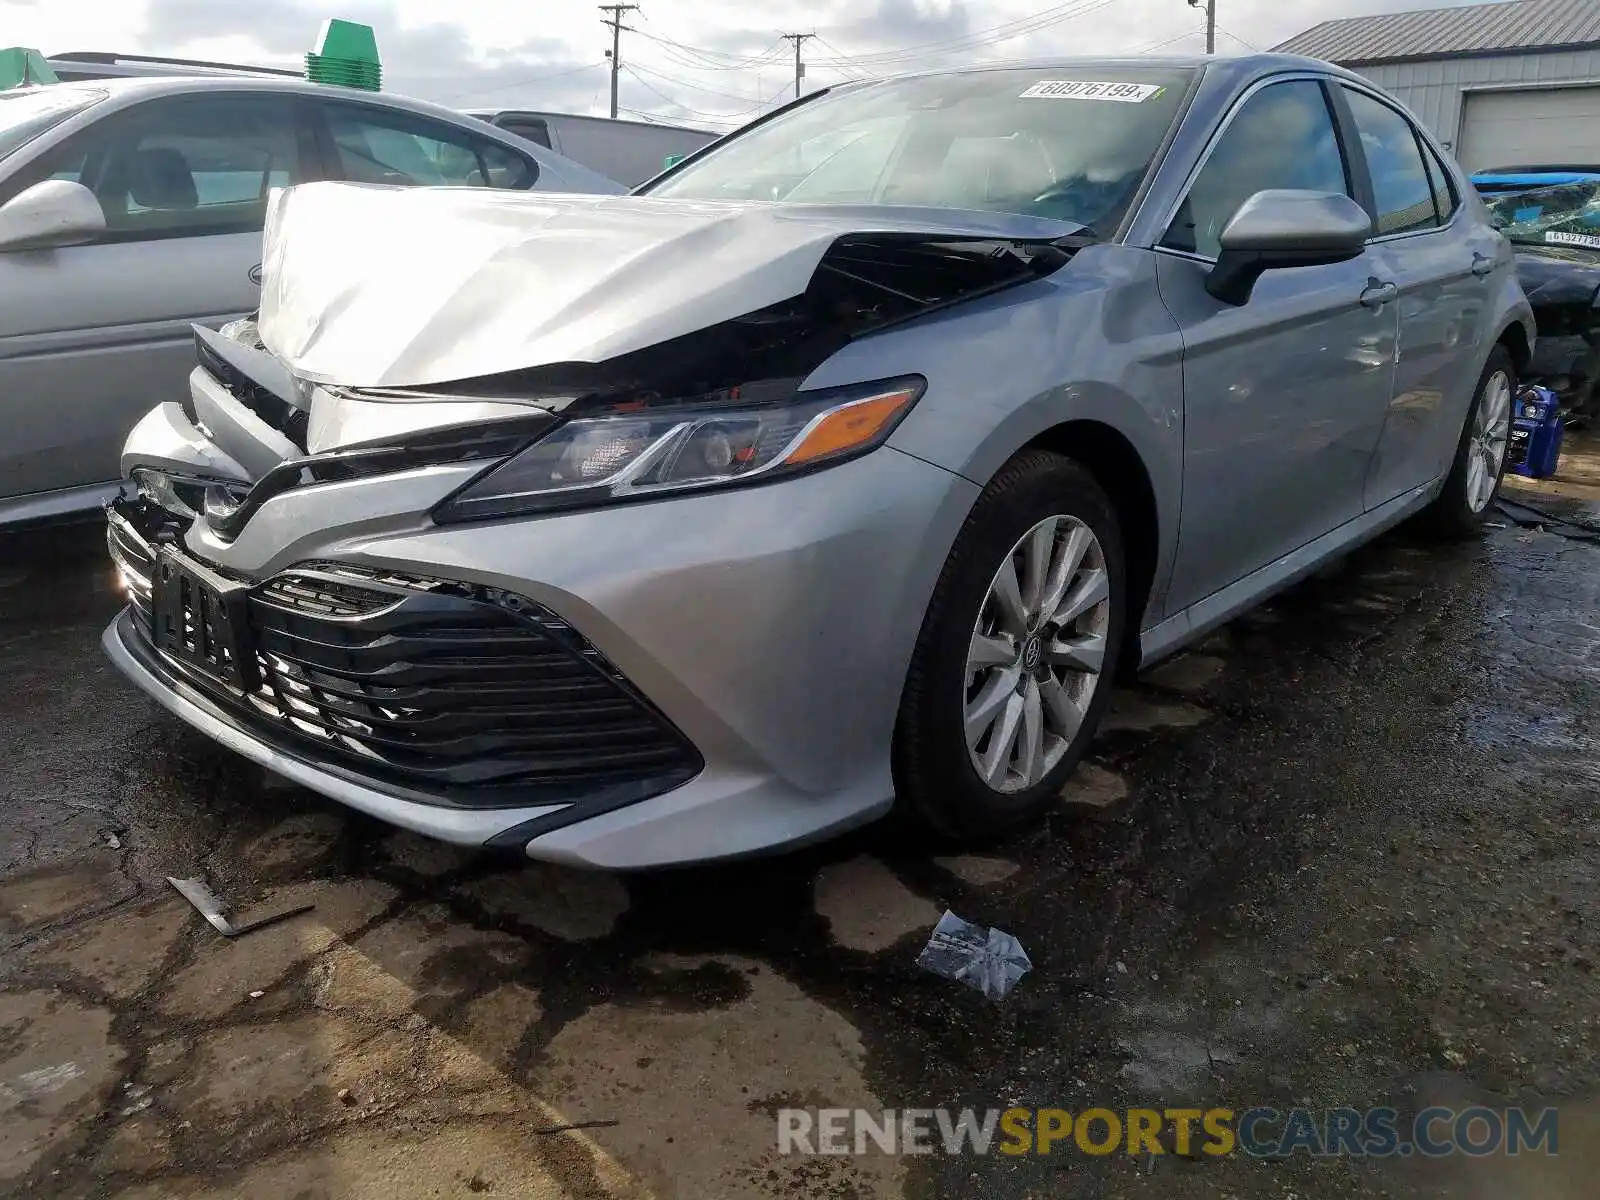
1480	461
1014	662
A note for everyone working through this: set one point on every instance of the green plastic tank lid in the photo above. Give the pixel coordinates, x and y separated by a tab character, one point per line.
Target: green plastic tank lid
347	40
20	66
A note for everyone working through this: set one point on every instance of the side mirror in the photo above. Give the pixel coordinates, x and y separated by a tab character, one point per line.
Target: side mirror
56	212
1286	228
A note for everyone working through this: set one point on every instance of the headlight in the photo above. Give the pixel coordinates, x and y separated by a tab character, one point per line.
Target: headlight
159	489
598	460
242	331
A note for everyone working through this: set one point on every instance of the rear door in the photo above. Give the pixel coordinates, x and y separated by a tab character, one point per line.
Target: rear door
93	336
1282	396
1443	264
368	143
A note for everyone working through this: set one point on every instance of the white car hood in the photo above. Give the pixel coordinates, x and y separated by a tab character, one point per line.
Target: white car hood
393	287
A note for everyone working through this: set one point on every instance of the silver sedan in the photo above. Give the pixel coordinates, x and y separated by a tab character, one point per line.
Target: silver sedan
844	466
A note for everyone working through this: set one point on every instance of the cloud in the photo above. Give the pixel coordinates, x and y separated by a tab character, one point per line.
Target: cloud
435	60
709	62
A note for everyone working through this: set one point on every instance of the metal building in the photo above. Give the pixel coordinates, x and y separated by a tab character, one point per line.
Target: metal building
1500	84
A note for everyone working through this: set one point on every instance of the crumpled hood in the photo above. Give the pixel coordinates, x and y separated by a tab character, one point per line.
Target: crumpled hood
401	287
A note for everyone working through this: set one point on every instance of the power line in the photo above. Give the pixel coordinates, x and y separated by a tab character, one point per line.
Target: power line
669	52
1236	38
682	107
983	37
615	53
694	87
532	79
708	59
1189	33
869	74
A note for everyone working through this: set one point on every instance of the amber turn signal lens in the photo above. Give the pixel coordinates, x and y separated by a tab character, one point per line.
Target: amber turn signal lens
850	425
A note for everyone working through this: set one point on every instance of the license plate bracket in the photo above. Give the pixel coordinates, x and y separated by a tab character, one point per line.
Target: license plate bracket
201	620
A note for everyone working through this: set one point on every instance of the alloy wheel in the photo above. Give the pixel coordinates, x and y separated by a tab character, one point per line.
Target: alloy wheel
1037	652
1491	435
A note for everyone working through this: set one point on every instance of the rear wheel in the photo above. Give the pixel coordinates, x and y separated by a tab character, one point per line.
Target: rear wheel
1480	461
1014	662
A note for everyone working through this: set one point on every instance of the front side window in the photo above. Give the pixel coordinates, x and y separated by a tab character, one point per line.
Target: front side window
1281	137
1400	184
1069	145
378	146
183	166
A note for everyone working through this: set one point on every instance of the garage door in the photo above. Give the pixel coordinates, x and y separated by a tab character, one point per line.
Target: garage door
1536	125
1532	125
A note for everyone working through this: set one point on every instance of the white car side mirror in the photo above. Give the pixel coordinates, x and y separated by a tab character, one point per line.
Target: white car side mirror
56	212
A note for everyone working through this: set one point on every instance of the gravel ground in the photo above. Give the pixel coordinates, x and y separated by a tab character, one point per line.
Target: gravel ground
1344	854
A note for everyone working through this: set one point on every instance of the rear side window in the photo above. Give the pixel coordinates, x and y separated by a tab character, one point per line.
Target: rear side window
1402	189
531	128
1282	137
184	166
373	145
1445	199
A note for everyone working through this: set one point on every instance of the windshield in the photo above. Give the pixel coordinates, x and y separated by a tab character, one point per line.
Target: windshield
1566	215
28	112
1069	144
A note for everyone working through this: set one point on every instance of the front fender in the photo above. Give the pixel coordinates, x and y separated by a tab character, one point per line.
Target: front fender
1093	342
1510	307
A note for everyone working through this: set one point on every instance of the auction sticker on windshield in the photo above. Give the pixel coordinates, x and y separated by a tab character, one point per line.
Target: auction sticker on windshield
1071	89
1590	241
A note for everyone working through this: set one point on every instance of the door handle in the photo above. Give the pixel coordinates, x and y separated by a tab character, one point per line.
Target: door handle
255	274
1378	294
1482	264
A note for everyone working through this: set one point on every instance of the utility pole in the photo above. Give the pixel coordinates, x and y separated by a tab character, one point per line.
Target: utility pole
799	39
615	53
1211	23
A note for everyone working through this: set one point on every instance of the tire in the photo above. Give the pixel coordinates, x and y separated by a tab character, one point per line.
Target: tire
1468	495
941	782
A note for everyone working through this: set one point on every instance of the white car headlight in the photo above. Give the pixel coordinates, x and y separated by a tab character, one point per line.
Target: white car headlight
635	455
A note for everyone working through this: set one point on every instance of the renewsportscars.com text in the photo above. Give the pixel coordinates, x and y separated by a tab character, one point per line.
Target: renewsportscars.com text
1258	1132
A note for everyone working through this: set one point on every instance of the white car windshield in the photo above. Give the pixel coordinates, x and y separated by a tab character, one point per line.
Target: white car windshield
1071	144
28	112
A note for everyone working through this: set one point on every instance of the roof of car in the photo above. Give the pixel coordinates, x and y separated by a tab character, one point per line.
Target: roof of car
1242	66
131	89
146	85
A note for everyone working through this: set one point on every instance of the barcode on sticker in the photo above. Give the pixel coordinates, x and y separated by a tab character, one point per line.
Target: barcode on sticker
1072	89
1590	241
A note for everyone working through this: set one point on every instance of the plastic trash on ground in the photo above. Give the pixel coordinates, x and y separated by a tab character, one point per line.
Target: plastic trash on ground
987	960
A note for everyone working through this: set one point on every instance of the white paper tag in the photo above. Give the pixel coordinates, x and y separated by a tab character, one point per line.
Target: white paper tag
1590	241
1072	89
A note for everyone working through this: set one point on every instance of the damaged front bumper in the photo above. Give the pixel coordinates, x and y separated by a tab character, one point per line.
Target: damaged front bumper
630	686
458	710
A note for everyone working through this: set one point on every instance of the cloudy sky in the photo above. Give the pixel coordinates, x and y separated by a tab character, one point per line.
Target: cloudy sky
713	63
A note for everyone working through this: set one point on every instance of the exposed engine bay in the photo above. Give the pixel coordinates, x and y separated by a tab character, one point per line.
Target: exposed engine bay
360	419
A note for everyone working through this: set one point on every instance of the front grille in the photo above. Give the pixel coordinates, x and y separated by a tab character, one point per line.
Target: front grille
324	595
467	694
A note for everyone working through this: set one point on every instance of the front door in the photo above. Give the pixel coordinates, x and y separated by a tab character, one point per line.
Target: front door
93	336
1283	396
